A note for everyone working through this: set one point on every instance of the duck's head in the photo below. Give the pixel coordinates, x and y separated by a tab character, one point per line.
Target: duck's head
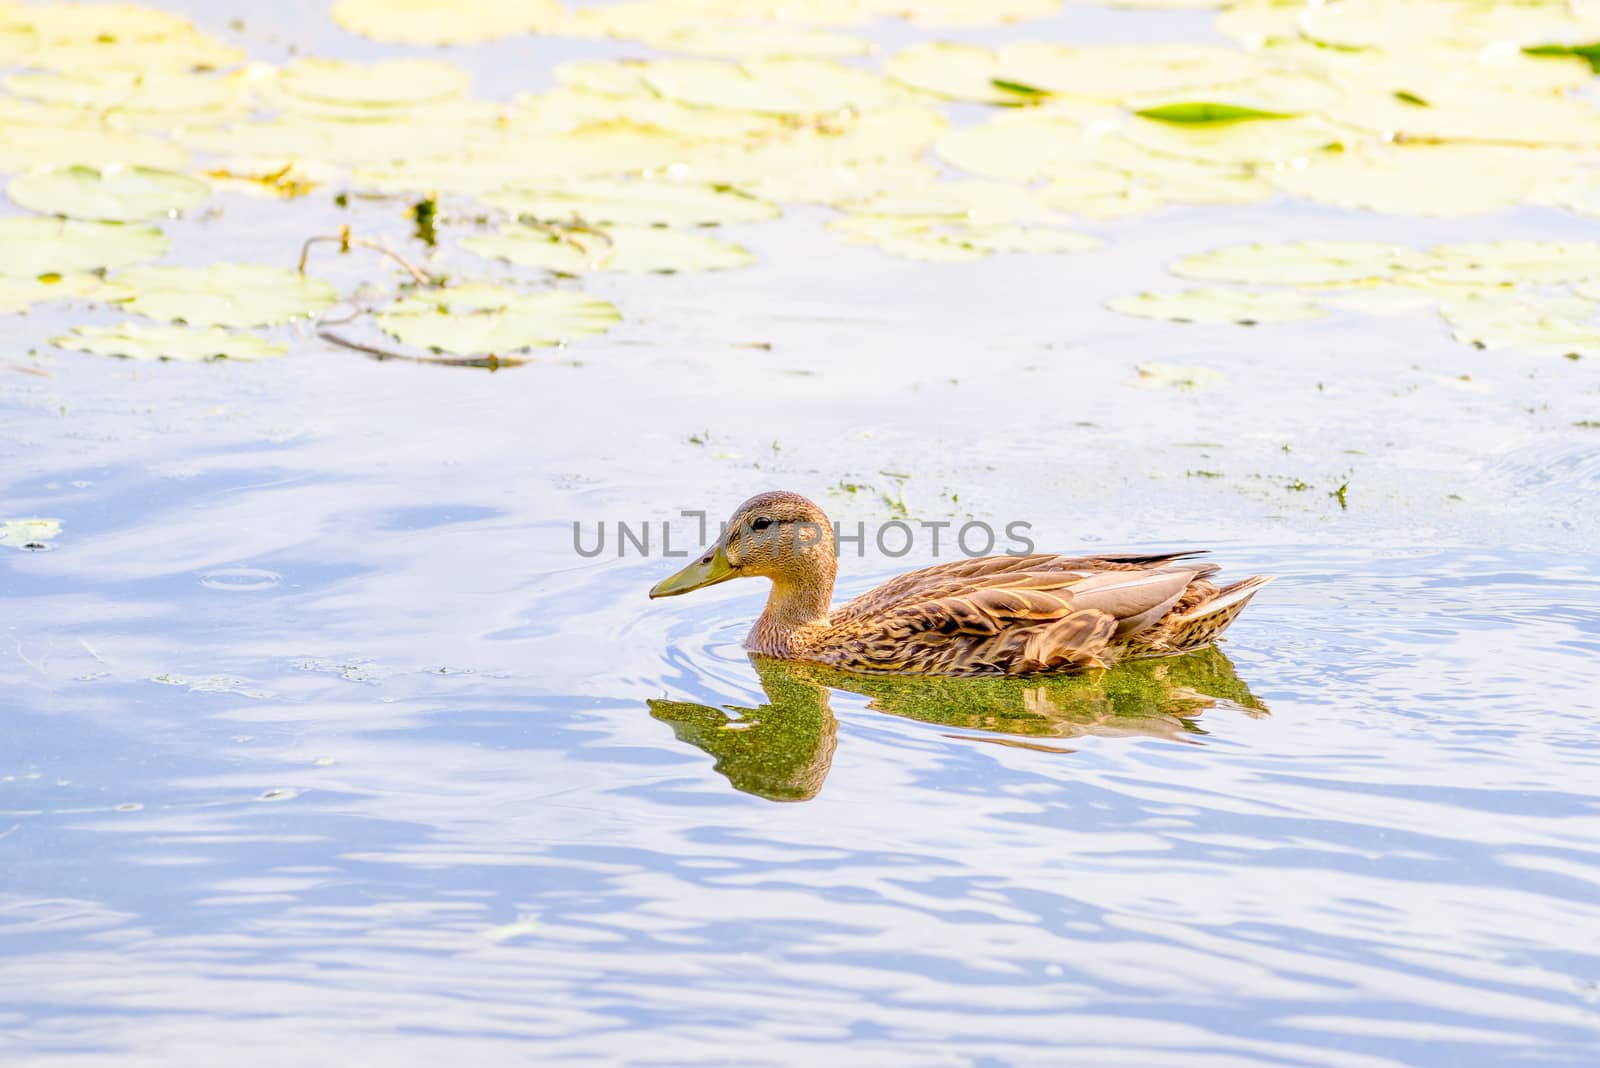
777	535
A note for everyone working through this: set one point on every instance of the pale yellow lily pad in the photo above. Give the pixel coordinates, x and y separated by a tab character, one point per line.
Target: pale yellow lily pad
137	341
1176	376
774	86
445	22
619	249
1520	262
1537	325
31	246
672	29
225	294
482	319
838	183
1282	141
30	534
1302	263
19	294
643	203
953	241
1438	180
112	194
1116	71
35	146
955	71
1241	306
388	83
161	93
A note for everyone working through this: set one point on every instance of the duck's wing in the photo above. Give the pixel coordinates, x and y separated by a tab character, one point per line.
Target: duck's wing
1006	615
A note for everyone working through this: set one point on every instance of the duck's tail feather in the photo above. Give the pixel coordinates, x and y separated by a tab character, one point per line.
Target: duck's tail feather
1205	622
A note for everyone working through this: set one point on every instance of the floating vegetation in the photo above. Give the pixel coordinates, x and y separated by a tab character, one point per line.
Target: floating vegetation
480	317
136	341
1493	294
30	534
122	114
224	294
111	194
32	246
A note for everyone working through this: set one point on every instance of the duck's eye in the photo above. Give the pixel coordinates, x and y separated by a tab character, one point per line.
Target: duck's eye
760	523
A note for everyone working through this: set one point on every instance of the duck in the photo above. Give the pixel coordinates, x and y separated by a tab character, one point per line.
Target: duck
1011	615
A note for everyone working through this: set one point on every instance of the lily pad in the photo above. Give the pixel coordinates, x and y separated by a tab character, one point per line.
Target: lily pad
388	83
225	294
30	146
444	22
477	318
1281	141
1438	180
1206	113
137	341
671	29
774	86
1542	326
31	534
31	246
1302	263
1524	262
1245	307
118	92
112	194
620	249
1176	376
637	203
941	241
18	294
1114	71
956	71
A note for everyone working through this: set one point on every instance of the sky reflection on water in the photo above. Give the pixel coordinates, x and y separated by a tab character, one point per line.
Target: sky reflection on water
323	745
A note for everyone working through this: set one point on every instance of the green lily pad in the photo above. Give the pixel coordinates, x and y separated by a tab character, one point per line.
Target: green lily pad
619	249
31	246
137	341
112	194
32	534
225	294
636	203
1245	307
1207	113
480	319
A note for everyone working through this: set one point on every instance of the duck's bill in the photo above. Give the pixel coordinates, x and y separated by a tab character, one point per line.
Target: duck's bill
706	571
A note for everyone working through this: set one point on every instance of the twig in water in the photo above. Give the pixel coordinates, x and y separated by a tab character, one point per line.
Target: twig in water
346	242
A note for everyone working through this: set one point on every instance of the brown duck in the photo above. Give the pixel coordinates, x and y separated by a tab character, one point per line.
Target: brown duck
994	615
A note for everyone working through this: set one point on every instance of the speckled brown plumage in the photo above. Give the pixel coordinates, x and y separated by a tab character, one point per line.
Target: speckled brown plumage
995	615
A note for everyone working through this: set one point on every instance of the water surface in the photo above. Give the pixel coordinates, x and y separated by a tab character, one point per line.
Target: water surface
323	745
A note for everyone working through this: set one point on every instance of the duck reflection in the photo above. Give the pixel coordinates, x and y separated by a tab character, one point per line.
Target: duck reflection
782	750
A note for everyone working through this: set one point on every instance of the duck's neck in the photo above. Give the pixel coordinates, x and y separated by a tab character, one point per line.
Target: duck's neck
795	602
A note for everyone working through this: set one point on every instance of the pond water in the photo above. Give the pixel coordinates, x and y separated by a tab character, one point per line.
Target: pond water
323	745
